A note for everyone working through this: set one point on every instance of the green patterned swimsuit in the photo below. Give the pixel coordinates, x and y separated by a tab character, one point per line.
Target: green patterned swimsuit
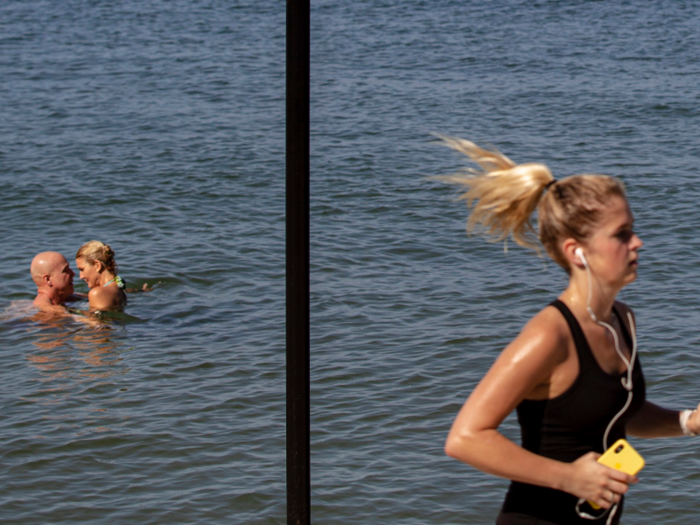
120	283
118	280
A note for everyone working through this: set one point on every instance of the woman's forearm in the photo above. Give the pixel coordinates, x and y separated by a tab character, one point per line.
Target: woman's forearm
491	452
653	421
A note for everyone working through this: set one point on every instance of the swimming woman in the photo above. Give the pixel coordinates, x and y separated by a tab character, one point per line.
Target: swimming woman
95	261
572	374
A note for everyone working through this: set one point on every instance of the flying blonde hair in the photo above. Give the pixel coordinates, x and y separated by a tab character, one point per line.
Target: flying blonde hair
503	196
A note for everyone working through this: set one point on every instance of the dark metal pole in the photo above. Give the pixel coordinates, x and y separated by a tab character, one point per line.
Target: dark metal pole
297	235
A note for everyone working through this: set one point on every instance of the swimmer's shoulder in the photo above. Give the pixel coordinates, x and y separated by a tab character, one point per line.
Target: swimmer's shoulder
105	297
41	301
44	304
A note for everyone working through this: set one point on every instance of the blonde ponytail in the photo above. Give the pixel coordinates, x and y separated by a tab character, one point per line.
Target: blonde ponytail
503	195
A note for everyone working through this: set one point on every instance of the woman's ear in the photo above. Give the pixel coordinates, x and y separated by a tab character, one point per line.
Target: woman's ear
569	247
99	266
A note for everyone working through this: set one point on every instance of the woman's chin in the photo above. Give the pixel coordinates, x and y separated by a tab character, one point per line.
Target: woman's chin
631	278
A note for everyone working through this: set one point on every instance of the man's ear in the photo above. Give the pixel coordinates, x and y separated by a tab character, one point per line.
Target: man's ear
47	279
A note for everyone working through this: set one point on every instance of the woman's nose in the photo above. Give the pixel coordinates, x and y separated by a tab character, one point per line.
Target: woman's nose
639	242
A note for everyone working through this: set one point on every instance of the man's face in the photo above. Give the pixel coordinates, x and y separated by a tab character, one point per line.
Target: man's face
62	278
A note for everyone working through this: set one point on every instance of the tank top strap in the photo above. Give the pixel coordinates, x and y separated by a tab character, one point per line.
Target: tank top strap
623	325
585	355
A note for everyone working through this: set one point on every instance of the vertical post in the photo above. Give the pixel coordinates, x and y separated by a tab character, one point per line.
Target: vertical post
297	263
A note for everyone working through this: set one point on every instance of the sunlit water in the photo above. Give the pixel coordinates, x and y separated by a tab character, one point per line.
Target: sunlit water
158	127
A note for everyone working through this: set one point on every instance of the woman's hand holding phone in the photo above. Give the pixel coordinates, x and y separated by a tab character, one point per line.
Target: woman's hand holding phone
597	483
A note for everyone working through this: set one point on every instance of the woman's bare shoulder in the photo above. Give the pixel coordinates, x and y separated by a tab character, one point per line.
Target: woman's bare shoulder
103	297
548	326
527	364
543	342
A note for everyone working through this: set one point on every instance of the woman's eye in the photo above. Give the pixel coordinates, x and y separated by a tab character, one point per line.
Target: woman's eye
625	235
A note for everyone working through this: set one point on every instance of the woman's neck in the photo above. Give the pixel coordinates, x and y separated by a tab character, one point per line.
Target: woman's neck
601	299
105	277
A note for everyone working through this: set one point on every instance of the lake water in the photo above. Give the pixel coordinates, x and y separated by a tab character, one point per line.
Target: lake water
158	127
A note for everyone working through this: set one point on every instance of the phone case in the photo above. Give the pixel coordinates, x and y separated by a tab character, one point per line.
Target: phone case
621	456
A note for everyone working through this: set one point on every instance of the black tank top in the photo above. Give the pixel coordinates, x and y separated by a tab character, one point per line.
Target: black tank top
570	425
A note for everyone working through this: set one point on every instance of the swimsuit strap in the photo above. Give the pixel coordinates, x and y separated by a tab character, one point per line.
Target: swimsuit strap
116	279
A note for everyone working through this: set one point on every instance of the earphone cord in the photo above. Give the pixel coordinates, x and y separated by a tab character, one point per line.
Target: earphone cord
627	384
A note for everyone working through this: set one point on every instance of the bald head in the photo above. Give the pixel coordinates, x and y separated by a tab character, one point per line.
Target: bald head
45	264
53	276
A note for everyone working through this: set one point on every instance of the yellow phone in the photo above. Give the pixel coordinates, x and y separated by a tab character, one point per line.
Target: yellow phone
621	456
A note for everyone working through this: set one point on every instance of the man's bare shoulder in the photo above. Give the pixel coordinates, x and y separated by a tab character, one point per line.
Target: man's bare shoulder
41	301
44	304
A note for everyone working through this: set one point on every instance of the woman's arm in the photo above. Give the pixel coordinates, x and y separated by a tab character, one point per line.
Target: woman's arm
653	421
525	367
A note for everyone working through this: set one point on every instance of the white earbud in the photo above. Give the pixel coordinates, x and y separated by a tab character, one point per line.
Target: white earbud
579	253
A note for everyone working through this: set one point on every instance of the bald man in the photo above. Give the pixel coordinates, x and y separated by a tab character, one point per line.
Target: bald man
54	281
